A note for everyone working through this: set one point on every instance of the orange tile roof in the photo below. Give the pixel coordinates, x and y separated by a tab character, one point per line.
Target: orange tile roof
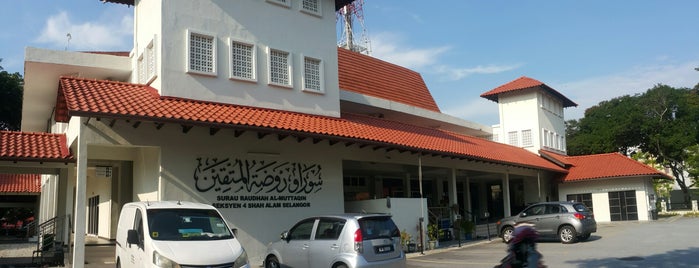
29	146
602	166
525	83
97	98
370	76
20	183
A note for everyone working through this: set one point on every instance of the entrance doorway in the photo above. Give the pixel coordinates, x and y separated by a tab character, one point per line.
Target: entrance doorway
93	215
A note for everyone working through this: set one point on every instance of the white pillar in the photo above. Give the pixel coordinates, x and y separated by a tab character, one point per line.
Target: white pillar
506	194
80	188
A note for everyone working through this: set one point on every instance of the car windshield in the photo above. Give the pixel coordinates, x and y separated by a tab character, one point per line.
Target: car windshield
378	227
186	224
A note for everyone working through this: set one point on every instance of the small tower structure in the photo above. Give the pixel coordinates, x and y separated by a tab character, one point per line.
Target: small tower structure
348	19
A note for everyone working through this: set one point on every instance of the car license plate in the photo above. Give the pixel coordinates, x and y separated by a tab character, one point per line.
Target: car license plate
383	249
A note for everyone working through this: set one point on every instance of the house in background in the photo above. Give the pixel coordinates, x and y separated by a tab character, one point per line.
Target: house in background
251	107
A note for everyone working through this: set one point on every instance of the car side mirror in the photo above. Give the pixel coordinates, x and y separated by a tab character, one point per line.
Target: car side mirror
285	236
132	237
234	231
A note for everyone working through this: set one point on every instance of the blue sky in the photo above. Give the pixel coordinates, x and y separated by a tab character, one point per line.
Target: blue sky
589	51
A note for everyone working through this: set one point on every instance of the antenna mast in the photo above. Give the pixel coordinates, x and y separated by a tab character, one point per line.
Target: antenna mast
347	19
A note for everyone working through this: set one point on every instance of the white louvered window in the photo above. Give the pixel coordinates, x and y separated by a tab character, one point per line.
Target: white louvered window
311	7
527	137
150	63
201	53
284	3
279	68
141	70
312	74
243	59
512	138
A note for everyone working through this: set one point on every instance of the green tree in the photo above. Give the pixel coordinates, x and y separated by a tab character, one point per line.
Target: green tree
10	100
663	122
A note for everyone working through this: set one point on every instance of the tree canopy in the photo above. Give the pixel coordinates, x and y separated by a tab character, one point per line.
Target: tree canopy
10	100
663	122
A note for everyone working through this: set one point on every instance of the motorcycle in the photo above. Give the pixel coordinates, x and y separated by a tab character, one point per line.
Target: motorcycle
521	250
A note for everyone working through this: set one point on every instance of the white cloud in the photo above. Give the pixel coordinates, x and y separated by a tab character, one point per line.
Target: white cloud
60	31
591	91
388	47
454	74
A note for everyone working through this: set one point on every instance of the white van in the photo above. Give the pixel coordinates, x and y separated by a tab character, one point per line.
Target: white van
176	234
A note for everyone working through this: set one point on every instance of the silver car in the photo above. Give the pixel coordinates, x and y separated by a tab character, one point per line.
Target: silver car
570	221
339	241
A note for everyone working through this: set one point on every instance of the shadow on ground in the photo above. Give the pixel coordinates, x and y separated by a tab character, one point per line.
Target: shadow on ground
677	258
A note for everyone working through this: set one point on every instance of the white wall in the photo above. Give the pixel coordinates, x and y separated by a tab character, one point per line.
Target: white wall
263	23
600	198
102	186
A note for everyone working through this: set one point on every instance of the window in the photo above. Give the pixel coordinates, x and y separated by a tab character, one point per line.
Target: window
329	229
512	138
284	3
279	68
141	70
201	53
302	230
496	138
243	58
312	74
146	64
311	7
527	137
150	62
586	199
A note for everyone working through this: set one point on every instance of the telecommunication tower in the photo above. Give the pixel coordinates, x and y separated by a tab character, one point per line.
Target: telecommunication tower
347	20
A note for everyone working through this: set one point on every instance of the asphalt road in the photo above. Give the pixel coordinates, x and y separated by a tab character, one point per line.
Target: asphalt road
670	242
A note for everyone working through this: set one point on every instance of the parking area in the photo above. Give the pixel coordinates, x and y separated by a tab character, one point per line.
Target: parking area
669	242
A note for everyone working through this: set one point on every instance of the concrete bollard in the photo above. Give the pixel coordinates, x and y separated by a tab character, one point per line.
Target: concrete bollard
694	206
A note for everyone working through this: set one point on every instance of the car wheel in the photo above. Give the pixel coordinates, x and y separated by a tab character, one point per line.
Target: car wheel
567	234
118	264
507	234
341	265
272	262
584	237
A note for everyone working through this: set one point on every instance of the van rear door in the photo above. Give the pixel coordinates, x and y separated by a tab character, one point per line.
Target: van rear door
381	238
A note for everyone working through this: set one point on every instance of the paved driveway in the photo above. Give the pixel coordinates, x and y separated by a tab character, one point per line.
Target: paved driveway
670	242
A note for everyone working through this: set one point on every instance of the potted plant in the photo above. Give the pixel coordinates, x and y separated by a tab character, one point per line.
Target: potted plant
406	242
433	235
467	228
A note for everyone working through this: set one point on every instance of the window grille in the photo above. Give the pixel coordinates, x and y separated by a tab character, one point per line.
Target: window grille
512	138
279	68
243	61
312	74
201	53
527	137
284	3
150	61
311	6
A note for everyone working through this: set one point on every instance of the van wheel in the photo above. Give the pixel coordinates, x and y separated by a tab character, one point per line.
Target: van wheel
567	234
341	265
272	262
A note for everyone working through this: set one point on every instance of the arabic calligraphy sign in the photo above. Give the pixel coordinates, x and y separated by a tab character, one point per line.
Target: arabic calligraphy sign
242	183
